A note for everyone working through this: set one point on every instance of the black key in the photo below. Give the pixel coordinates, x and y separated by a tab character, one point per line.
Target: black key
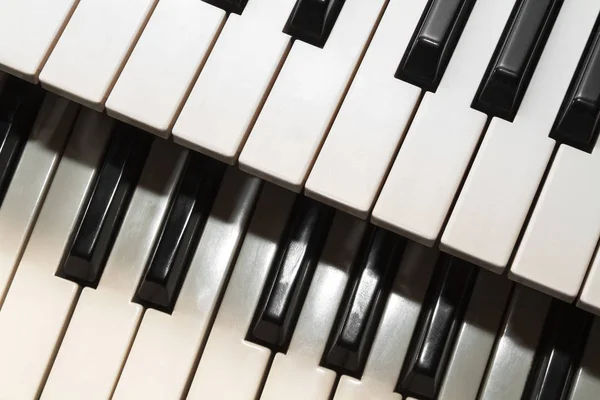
559	352
290	274
230	6
312	20
577	121
107	204
435	333
19	105
433	42
515	58
362	305
180	233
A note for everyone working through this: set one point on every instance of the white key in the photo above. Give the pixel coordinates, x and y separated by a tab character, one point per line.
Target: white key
395	330
433	158
296	116
476	337
230	367
297	374
355	157
31	181
105	320
509	166
515	348
586	382
166	347
164	63
93	48
38	304
29	30
229	92
589	299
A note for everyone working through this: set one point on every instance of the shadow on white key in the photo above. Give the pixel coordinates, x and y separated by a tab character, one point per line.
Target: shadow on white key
30	182
360	146
166	346
29	30
510	164
586	381
105	320
231	88
395	330
297	114
91	51
230	367
297	374
38	304
164	63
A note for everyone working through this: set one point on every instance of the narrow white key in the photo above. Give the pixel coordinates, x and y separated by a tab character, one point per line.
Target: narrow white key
509	166
104	321
164	64
93	48
222	105
395	330
166	346
230	367
371	122
476	337
38	304
586	382
430	165
515	348
590	295
297	375
29	30
299	109
31	181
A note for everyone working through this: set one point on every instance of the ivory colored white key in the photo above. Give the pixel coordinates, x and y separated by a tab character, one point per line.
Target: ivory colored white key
229	92
230	367
361	144
166	346
476	337
297	373
38	304
296	116
515	347
29	30
164	63
586	382
104	322
395	330
437	149
509	166
589	299
93	47
31	181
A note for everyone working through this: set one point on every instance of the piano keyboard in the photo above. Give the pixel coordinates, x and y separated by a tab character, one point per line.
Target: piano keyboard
299	199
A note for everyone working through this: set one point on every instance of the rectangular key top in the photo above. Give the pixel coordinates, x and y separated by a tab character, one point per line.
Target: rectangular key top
312	20
91	51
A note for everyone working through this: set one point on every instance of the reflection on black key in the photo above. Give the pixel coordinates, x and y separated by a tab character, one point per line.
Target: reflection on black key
515	58
312	20
433	42
115	183
180	233
231	6
559	352
362	304
433	339
577	121
291	274
19	104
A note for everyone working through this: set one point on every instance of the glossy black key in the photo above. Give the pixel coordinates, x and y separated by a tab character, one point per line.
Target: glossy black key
180	233
435	333
515	58
559	352
362	305
107	204
577	122
19	105
290	274
312	20
231	6
433	42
